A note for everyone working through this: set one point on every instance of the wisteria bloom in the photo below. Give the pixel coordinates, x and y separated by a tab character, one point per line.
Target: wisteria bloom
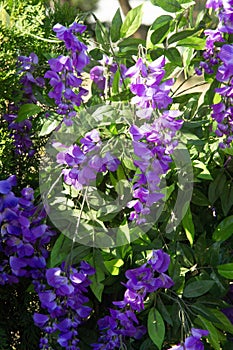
193	342
65	71
122	321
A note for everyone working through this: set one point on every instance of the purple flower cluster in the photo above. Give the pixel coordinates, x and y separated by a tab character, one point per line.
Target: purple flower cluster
150	93
193	342
122	322
23	236
85	161
154	141
21	131
63	297
27	66
222	112
103	75
210	54
65	71
225	15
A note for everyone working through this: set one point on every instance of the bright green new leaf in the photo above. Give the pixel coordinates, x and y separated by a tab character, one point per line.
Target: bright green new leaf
113	266
48	127
224	230
132	22
226	270
193	42
156	327
188	226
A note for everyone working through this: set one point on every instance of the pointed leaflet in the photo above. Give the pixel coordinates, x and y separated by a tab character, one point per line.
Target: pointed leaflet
132	22
167	5
188	226
197	288
26	111
116	26
224	230
156	327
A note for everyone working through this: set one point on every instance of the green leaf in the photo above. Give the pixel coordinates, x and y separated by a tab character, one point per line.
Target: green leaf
164	312
197	288
97	289
204	174
213	336
228	151
160	21
97	262
226	270
101	34
193	42
113	266
159	34
132	22
181	35
227	197
188	226
156	327
174	56
60	250
216	187
167	5
27	111
199	198
116	81
48	127
116	26
223	321
224	230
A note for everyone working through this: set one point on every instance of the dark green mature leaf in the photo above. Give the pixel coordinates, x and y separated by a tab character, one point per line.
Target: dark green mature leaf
156	327
27	111
97	262
116	26
101	34
216	187
197	288
167	5
132	22
181	35
60	250
174	56
161	21
159	34
223	322
224	230
200	199
226	270
227	197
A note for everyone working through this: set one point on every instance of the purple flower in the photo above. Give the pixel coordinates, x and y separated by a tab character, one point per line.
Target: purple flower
39	319
215	4
193	342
